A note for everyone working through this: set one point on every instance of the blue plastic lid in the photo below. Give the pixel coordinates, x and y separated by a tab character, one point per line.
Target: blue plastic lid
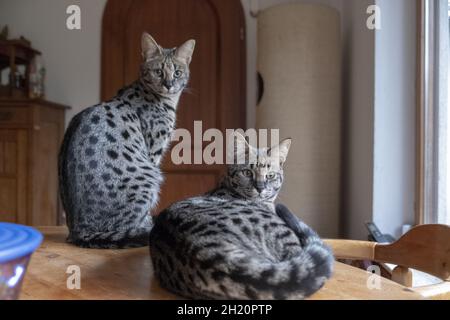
17	241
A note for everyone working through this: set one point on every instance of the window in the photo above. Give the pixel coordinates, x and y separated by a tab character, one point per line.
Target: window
433	125
444	214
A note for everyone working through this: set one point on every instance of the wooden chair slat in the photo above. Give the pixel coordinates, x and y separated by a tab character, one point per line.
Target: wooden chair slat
352	249
425	248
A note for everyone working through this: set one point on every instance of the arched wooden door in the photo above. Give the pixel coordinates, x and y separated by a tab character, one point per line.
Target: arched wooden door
216	94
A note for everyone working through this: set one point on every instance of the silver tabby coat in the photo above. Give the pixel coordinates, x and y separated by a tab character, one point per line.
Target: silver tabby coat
109	161
232	243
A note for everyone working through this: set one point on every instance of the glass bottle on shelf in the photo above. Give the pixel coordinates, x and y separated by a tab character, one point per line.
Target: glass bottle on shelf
37	78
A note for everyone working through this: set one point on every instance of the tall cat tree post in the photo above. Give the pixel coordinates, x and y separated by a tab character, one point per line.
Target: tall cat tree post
299	60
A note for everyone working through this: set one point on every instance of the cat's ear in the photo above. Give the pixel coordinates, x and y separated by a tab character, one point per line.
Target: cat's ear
281	151
185	51
149	46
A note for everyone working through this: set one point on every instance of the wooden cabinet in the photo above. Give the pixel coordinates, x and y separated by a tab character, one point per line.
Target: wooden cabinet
31	132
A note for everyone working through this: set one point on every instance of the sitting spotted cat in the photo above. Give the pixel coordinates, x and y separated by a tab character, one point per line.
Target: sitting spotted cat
232	243
109	161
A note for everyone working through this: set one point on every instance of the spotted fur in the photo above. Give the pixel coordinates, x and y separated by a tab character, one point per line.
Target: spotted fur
233	244
109	161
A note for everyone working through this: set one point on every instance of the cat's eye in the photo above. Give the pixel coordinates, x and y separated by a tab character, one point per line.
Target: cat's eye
247	173
271	175
159	72
178	73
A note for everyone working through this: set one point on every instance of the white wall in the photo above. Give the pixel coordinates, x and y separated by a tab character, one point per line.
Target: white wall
395	107
379	116
72	57
358	119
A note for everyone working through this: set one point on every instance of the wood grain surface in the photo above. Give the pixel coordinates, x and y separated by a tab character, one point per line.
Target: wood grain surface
128	274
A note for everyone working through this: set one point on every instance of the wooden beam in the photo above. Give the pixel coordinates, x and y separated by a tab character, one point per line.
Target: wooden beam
420	115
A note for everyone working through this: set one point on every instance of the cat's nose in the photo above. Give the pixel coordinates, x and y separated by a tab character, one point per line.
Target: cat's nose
259	187
167	84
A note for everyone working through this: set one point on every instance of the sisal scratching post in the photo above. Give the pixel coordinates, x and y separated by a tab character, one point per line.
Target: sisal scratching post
299	59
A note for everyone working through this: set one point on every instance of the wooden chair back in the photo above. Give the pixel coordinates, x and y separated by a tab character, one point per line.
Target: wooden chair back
425	248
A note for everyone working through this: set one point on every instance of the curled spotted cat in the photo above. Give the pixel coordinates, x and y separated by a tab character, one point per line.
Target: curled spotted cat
234	243
109	162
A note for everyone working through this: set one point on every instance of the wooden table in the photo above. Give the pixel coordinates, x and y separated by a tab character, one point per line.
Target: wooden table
127	274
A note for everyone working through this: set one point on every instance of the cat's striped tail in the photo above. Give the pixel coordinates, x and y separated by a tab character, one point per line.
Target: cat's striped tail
117	239
305	234
296	278
317	252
